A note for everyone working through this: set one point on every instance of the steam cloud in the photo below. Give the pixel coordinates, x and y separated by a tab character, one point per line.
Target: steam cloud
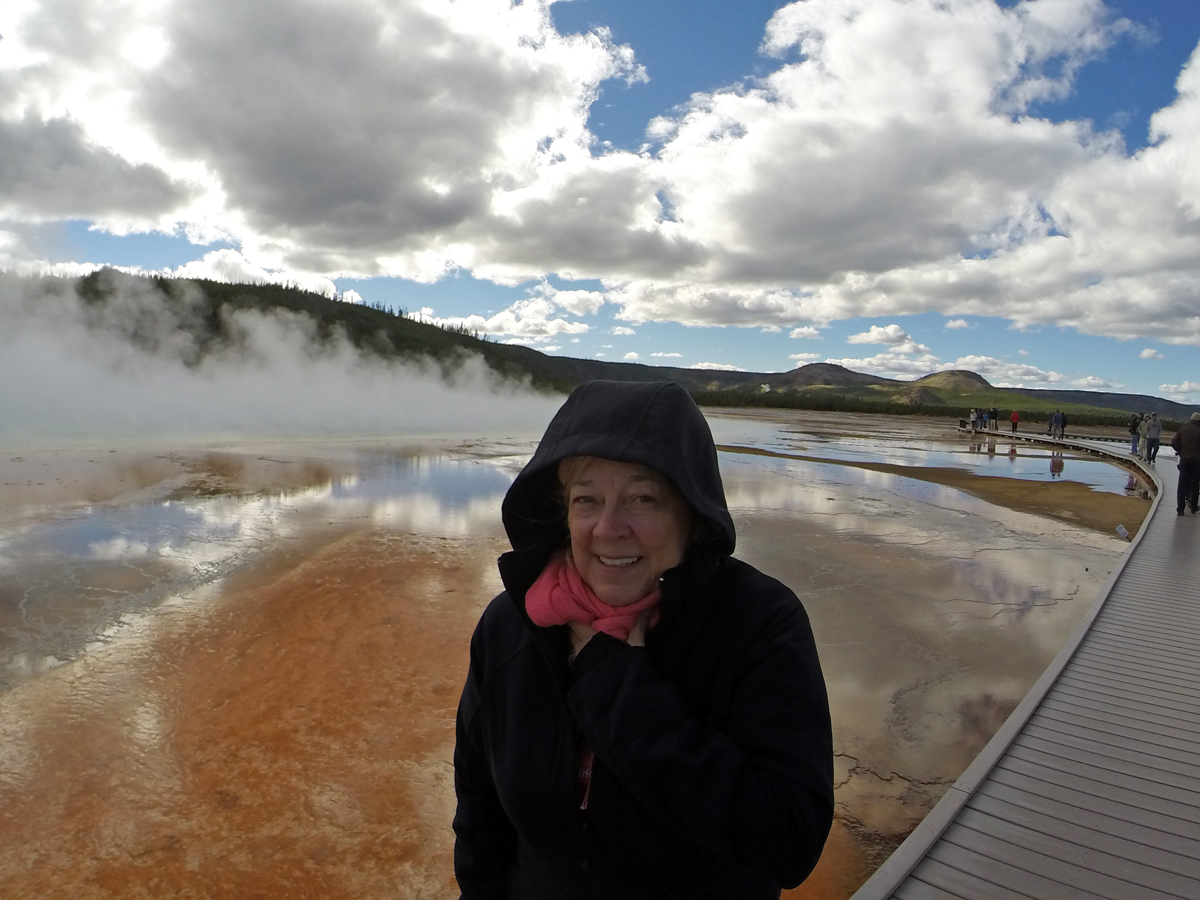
131	370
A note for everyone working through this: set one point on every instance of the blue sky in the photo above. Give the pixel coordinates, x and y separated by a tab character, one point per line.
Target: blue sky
897	185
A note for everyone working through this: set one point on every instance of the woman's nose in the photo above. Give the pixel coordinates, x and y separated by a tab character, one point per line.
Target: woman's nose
611	523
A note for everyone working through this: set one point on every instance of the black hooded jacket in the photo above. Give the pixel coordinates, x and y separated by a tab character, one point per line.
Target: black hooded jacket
713	754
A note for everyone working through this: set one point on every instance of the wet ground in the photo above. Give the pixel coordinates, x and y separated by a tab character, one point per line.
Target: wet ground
233	671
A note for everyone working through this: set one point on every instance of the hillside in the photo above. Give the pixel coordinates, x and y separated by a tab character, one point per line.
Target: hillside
204	311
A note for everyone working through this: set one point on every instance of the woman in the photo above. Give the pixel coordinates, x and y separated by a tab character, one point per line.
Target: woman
644	715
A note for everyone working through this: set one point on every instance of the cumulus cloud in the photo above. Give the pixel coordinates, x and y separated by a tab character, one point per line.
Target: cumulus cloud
232	267
1006	374
622	330
955	324
1022	353
804	331
1094	383
668	355
717	367
906	367
1150	353
893	335
891	365
888	165
1180	390
631	356
804	357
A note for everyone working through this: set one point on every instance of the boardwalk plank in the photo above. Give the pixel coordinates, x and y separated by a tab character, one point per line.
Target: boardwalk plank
913	889
959	883
1138	861
1109	762
1020	870
1153	687
1185	771
1139	827
1170	717
1114	724
1044	725
1046	852
1080	782
1125	716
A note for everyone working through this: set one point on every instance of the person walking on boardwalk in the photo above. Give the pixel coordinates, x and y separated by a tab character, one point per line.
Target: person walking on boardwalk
1153	434
1134	421
1142	434
1014	418
995	419
1056	424
1186	445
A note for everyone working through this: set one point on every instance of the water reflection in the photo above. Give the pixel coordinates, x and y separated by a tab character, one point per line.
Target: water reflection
311	701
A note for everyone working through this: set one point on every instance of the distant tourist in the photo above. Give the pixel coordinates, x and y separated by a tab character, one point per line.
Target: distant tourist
1062	424
1014	418
1057	422
974	418
1153	433
1144	435
995	419
1186	445
1134	436
984	416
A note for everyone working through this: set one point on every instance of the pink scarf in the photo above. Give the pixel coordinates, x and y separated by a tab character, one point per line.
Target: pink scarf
560	596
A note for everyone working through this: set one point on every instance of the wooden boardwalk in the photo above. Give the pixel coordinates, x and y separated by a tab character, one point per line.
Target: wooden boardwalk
1091	789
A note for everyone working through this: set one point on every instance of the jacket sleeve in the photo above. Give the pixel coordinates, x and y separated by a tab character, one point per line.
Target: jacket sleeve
759	794
1176	443
485	845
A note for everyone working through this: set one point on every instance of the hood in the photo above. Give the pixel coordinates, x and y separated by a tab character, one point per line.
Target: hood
656	424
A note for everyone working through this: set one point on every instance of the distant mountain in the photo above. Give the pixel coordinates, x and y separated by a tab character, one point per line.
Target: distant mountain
957	381
206	311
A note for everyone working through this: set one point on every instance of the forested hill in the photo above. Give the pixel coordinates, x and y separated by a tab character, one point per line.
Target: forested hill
202	310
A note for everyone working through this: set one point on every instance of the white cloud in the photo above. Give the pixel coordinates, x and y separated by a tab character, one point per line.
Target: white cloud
350	296
1093	383
1005	374
1150	353
804	331
891	365
578	302
888	166
529	321
771	329
232	267
668	355
893	335
955	324
804	357
1176	390
717	367
1022	353
631	355
621	329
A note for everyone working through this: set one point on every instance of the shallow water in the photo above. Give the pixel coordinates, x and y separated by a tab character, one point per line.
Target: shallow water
193	626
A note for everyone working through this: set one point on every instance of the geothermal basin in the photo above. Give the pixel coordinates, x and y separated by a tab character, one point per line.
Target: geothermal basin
232	670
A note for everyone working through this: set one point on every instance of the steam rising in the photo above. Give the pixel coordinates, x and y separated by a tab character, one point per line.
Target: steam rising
133	368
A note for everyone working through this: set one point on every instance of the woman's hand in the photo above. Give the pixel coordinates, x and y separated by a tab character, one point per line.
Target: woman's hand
581	633
637	634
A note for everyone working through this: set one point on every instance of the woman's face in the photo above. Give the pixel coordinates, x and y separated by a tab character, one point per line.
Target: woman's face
628	525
